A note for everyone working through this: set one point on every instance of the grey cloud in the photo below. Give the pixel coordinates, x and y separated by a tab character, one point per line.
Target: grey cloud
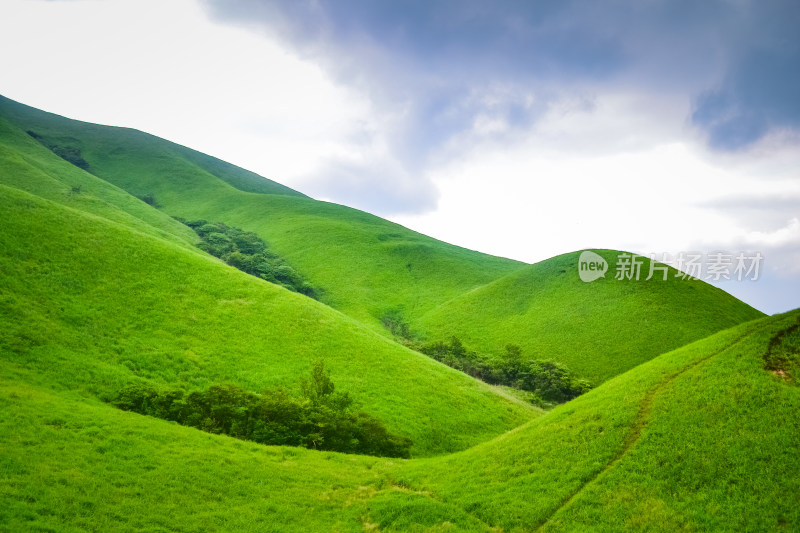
431	62
425	53
767	217
759	91
378	185
428	60
764	213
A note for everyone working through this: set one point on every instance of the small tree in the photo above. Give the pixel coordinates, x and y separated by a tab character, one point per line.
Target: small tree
457	349
512	363
319	385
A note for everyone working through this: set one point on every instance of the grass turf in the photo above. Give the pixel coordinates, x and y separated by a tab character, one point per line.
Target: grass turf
365	266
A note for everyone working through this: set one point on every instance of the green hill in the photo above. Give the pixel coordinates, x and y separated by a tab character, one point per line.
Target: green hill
89	305
703	438
93	146
98	290
700	439
29	166
598	329
365	265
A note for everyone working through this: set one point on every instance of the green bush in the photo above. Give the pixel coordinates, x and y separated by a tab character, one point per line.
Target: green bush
394	321
547	380
322	418
70	154
249	253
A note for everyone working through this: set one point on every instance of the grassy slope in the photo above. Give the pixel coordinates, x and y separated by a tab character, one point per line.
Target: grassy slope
90	305
70	466
27	165
186	163
599	329
365	264
98	288
699	439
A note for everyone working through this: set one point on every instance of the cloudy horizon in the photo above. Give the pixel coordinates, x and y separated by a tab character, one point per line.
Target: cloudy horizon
518	129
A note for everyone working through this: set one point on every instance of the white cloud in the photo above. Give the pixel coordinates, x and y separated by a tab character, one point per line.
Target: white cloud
620	173
163	67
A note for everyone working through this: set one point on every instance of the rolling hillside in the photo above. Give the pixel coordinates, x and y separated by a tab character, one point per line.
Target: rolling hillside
364	264
89	305
366	267
29	166
700	439
598	329
98	290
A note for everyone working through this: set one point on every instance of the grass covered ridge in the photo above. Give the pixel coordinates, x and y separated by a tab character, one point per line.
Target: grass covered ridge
364	264
598	329
114	305
100	291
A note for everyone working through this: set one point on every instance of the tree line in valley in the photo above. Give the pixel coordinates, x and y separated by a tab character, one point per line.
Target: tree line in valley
546	381
320	418
549	381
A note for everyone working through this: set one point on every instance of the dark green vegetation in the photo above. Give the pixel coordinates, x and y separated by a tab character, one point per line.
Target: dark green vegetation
249	253
547	380
100	290
322	419
782	357
65	151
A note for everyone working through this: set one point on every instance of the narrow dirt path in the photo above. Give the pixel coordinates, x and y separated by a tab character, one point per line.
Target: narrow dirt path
642	419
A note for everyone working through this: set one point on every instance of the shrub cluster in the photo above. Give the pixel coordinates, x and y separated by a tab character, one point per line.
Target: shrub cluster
547	381
550	381
249	253
70	154
149	199
394	321
321	419
783	353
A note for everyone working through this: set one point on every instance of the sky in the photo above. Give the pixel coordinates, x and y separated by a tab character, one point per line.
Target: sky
523	129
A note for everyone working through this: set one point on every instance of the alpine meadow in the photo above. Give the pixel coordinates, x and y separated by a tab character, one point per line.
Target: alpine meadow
186	345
